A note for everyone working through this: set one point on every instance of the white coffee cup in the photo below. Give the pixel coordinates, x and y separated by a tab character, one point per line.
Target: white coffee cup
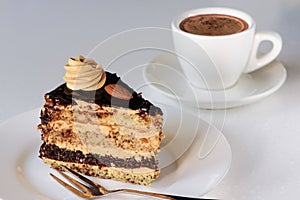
217	62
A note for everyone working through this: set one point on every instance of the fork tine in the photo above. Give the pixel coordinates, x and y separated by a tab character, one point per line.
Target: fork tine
75	182
82	177
69	187
95	187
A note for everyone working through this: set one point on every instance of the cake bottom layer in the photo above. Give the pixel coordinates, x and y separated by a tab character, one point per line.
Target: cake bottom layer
135	176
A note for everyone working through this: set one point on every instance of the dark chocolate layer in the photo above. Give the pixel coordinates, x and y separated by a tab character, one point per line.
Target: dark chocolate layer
52	151
64	95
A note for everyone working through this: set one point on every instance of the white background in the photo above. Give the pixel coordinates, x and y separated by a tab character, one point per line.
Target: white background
37	37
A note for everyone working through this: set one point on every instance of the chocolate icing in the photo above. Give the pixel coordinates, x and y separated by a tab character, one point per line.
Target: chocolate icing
64	96
52	151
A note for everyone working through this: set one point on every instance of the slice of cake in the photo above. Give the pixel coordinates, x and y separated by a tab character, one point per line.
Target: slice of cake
97	125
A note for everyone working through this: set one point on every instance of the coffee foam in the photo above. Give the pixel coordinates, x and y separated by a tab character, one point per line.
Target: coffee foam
213	24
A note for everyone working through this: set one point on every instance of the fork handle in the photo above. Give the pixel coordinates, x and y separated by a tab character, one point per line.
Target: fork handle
164	196
185	198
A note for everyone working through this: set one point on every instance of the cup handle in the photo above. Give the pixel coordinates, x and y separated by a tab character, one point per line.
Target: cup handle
258	61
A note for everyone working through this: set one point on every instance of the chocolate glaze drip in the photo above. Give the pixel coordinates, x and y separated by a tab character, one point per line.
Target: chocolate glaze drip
54	152
65	96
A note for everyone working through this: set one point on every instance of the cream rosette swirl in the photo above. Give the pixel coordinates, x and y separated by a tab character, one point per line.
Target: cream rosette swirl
84	74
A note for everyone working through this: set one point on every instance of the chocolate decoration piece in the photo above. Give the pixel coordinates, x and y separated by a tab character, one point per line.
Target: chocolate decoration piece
118	91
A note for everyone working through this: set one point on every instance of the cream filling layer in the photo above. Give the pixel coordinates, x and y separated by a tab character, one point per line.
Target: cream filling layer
122	118
92	139
115	152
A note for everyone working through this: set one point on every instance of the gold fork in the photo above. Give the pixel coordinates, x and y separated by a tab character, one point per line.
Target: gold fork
92	190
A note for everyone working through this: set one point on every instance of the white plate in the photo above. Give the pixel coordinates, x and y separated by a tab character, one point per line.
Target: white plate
25	176
165	74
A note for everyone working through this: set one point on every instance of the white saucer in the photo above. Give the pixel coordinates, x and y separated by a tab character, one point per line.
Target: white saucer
165	74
